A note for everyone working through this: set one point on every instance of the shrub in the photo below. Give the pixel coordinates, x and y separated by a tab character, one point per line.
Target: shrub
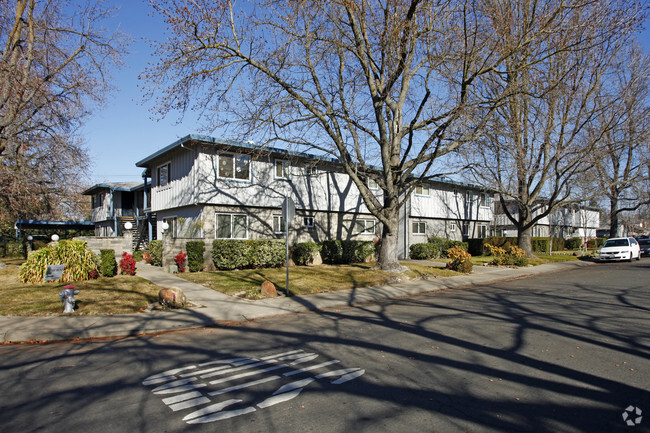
138	255
303	253
155	252
180	261
423	251
230	254
127	264
195	251
573	243
241	254
357	251
442	245
476	246
345	252
79	262
539	244
146	257
331	252
107	263
513	256
595	243
266	253
459	259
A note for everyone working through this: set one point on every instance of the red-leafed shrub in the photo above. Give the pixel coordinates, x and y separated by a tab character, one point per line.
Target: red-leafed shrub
180	261
127	264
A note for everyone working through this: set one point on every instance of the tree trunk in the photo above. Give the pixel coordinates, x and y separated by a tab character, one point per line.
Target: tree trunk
524	241
387	260
615	228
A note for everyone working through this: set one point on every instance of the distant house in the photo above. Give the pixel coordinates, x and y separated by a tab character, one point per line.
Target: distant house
206	188
565	222
119	205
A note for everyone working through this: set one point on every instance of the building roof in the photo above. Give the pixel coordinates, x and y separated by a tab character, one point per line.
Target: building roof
115	186
23	224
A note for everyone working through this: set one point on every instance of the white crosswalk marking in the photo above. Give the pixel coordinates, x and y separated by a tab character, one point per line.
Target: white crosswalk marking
185	384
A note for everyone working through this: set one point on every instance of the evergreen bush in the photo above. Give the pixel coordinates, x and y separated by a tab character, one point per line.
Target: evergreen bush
195	251
107	263
230	254
332	252
572	243
155	252
266	253
303	253
423	251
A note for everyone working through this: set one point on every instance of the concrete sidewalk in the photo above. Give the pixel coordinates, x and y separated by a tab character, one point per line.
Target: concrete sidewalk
212	308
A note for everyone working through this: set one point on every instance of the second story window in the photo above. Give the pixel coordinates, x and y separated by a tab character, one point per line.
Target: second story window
422	190
98	200
282	169
162	174
236	167
485	200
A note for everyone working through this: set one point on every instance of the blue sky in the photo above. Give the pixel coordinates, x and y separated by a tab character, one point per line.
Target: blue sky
122	131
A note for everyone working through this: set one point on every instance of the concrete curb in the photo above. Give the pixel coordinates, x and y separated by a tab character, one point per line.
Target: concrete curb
214	308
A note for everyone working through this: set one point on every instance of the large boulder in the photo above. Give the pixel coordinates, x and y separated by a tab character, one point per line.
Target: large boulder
268	290
172	297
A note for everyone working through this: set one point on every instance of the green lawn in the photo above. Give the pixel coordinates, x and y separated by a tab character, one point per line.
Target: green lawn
307	279
121	294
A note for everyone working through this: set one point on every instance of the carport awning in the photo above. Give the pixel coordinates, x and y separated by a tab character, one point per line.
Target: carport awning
65	225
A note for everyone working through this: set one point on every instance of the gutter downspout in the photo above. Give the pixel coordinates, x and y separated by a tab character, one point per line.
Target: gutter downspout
113	214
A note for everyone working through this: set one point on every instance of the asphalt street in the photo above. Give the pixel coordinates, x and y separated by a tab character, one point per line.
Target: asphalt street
561	352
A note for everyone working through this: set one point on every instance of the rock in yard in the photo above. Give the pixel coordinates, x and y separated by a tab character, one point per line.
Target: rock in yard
172	297
268	290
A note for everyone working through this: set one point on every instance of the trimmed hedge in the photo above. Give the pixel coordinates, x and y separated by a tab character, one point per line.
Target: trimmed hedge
155	252
230	254
346	252
195	251
107	263
303	253
538	244
423	251
444	244
573	243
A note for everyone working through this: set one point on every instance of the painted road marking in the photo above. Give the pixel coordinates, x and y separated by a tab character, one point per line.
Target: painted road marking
185	384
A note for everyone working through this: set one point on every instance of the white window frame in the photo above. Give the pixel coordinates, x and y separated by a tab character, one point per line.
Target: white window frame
481	231
365	230
485	200
452	227
285	169
308	221
311	170
421	227
278	224
233	157
422	188
167	164
216	224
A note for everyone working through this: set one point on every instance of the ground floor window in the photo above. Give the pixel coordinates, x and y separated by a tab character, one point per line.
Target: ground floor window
231	226
278	224
365	226
419	228
481	231
308	221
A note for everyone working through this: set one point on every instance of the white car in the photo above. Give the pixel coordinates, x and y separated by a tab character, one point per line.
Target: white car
620	249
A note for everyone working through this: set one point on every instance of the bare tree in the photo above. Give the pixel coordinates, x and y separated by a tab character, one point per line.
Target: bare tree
54	60
377	85
621	170
43	181
541	139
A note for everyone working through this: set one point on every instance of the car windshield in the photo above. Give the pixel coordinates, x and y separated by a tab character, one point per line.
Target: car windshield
616	243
